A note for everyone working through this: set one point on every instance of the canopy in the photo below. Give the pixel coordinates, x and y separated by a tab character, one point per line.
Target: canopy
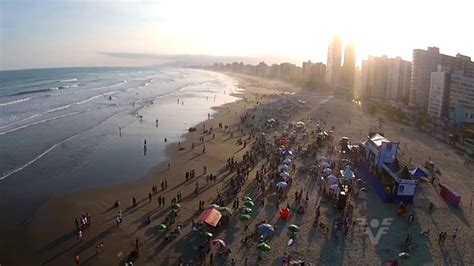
287	161
282	184
418	172
293	228
160	227
285	213
175	206
210	217
284	167
225	211
325	165
247	199
205	234
213	206
300	123
335	188
263	247
327	170
332	178
285	174
218	242
264	229
323	158
287	152
246	210
249	203
348	174
244	217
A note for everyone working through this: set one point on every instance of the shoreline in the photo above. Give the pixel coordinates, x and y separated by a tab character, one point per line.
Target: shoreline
59	202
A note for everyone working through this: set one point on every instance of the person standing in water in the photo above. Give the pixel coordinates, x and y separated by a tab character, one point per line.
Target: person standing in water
120	131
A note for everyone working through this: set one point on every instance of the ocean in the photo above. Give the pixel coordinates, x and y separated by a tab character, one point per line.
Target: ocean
59	128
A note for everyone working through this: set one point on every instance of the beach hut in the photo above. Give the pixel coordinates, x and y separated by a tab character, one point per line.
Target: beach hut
211	217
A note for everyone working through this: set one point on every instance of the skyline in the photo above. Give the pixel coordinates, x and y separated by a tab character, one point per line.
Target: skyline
123	33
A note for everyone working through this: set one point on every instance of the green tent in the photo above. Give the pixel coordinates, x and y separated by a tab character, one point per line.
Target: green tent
225	211
263	247
293	228
249	203
244	217
161	227
176	206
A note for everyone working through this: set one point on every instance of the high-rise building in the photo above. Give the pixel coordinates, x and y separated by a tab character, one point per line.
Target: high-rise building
313	72
333	66
385	79
398	80
348	68
451	95
424	63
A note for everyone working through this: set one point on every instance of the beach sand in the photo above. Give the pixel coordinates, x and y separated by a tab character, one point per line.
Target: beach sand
50	237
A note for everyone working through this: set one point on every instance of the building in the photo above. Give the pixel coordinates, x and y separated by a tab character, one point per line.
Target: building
333	66
313	72
451	95
348	68
424	63
385	79
398	80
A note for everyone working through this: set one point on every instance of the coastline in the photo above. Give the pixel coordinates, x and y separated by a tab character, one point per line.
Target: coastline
38	230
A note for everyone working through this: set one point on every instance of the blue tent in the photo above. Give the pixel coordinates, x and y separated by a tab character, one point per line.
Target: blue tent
418	172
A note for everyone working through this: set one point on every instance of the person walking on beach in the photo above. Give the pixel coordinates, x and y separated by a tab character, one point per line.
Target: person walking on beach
79	236
77	258
455	233
203	149
149	197
120	131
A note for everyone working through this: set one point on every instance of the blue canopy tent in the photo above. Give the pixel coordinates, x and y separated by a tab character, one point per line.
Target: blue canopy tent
417	172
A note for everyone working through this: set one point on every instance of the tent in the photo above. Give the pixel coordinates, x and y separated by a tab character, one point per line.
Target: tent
418	172
210	217
335	188
332	179
347	174
281	184
264	229
327	171
285	213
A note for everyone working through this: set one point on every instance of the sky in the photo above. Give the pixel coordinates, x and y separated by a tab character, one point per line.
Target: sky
60	33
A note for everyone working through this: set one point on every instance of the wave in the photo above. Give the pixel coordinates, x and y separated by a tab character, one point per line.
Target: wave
9	173
15	101
67	80
37	122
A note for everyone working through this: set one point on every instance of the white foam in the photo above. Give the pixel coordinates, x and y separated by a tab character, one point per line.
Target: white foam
16	101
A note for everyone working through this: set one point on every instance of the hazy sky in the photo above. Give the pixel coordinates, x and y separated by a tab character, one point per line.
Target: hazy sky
77	33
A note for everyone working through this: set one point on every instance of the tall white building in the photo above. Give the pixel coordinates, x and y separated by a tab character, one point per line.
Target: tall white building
398	79
333	66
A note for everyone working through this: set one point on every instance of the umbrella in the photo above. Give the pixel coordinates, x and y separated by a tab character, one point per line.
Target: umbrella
332	178
247	199
249	203
282	184
344	138
325	165
284	167
264	229
287	161
213	206
263	247
246	210
285	174
293	228
176	206
404	255
335	188
327	170
287	152
225	211
323	158
160	227
244	217
218	242
300	123
205	234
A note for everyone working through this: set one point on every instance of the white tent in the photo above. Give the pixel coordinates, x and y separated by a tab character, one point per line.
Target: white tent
347	174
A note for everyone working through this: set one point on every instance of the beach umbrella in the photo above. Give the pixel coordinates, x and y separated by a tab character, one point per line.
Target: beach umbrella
176	206
284	167
247	199
282	184
225	211
287	152
327	170
218	242
263	247
325	165
332	178
323	159
287	161
249	203
293	228
160	227
213	206
404	255
244	217
285	174
246	210
335	188
264	229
